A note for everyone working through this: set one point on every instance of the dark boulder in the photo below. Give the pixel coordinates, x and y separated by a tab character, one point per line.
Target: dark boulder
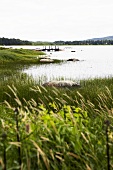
73	59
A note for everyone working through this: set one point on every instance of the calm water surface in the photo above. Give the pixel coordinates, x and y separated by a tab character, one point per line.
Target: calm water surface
95	61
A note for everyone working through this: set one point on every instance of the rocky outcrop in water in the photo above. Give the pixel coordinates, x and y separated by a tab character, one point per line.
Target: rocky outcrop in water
73	59
64	83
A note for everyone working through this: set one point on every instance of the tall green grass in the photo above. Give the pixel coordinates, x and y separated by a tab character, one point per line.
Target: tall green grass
49	132
27	88
56	128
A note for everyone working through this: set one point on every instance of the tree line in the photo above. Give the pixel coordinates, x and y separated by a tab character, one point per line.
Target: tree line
85	42
13	41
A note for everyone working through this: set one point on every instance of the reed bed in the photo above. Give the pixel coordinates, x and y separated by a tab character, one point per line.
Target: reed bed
56	128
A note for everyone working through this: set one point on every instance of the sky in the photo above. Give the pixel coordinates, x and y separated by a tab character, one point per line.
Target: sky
54	20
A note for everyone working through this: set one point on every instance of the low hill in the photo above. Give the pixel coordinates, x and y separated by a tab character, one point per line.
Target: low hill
102	38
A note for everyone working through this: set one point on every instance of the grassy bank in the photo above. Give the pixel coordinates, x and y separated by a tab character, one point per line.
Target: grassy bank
50	128
8	55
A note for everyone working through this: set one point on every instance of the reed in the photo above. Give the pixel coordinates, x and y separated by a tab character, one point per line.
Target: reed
61	137
58	128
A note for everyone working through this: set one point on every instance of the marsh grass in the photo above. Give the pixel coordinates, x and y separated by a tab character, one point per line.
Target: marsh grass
22	56
8	55
54	134
58	128
29	88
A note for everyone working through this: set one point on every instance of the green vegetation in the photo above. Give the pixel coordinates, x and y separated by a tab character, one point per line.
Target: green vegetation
8	55
56	128
22	56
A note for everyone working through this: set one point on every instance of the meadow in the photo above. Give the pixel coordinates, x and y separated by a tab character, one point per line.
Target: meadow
48	128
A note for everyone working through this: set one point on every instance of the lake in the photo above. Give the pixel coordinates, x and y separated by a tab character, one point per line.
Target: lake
95	62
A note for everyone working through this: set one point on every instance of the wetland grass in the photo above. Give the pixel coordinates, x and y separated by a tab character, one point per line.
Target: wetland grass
29	88
58	128
26	56
22	56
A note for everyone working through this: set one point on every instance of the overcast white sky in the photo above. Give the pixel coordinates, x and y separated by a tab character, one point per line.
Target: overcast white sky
51	20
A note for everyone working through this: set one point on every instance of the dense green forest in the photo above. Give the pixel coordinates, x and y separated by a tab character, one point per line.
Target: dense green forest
13	41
